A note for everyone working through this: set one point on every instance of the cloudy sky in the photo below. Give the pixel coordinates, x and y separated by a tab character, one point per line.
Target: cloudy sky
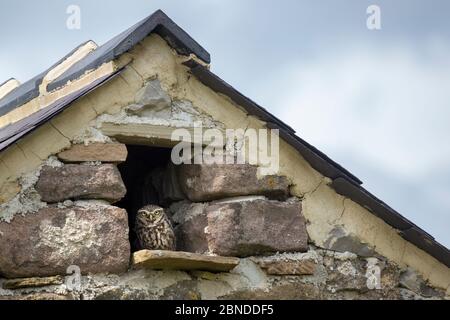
376	101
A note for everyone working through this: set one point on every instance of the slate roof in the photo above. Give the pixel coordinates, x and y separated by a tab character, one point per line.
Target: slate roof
344	182
28	90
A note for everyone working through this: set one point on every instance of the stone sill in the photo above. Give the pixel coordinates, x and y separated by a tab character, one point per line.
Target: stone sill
178	260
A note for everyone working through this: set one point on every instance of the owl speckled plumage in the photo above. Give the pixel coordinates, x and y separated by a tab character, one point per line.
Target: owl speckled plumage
153	229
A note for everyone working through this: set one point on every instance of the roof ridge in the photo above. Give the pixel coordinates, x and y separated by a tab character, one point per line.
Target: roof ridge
158	22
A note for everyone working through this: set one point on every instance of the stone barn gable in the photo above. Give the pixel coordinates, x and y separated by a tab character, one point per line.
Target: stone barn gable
87	142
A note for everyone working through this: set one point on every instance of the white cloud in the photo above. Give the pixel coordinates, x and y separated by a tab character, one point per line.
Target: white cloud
385	115
390	106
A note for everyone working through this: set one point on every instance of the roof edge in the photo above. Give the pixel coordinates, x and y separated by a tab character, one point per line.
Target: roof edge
29	90
315	157
158	23
407	230
13	132
343	182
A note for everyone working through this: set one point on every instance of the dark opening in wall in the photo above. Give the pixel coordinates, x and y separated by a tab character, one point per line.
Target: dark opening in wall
150	178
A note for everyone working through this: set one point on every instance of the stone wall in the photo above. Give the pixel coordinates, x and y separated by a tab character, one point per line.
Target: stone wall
70	220
316	274
294	237
64	217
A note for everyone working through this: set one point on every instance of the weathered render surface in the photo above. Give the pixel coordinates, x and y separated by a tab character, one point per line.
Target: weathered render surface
154	94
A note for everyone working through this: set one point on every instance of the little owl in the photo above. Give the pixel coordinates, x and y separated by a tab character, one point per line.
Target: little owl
153	229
